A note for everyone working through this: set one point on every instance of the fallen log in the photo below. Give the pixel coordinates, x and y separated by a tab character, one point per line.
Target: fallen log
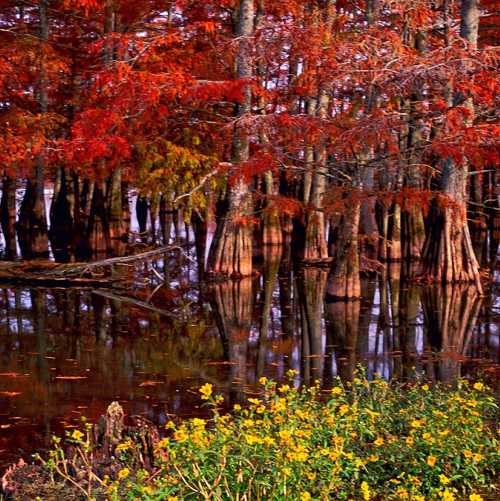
91	274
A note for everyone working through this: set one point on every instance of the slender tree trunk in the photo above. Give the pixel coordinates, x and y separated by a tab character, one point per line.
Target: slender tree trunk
62	224
316	247
32	216
232	249
98	229
8	216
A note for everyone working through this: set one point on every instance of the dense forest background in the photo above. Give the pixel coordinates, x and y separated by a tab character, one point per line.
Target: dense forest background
358	132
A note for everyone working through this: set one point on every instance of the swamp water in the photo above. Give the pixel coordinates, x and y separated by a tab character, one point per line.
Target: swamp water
66	353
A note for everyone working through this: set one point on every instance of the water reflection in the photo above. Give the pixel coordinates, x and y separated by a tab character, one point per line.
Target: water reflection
68	352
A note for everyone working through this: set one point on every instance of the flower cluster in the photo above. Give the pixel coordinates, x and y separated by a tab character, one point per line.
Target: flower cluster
365	440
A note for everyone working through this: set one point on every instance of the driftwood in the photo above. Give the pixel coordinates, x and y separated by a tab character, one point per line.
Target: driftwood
93	274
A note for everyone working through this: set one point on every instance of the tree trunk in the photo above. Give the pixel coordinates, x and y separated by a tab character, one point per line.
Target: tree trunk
8	216
32	216
62	224
448	253
316	247
344	282
98	229
232	249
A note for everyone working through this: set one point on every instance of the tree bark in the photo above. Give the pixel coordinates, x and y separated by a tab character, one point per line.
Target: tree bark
232	249
8	216
32	223
344	282
448	254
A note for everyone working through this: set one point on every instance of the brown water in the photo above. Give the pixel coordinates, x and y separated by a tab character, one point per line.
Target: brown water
67	353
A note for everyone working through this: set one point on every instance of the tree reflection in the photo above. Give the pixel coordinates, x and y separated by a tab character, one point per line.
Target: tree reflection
232	303
451	314
311	289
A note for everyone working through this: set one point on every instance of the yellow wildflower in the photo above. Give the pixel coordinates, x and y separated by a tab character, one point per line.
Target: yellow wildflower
253	439
172	498
444	479
248	423
269	441
417	423
344	409
365	491
311	475
448	495
260	409
124	473
402	493
237	407
425	387
337	390
163	444
409	441
418	498
77	435
263	380
284	388
477	457
305	496
475	497
206	391
180	436
199	423
124	446
373	458
379	441
255	401
479	386
468	454
431	460
170	425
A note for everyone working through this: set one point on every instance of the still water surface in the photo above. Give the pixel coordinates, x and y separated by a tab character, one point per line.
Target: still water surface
67	353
